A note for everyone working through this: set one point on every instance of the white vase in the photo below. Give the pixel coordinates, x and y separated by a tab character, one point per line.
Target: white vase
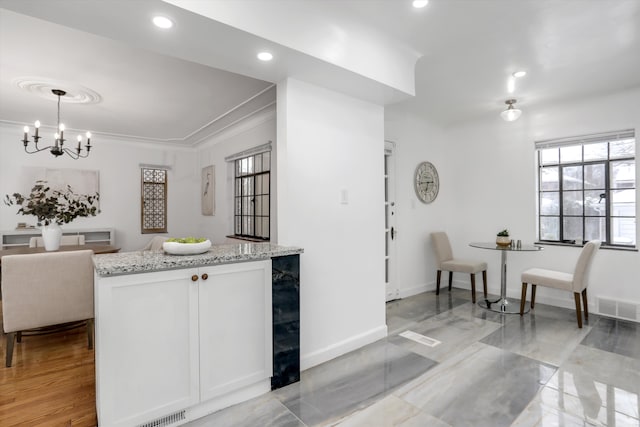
51	235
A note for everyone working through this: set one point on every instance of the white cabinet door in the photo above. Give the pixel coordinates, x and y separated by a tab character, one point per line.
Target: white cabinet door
146	345
235	326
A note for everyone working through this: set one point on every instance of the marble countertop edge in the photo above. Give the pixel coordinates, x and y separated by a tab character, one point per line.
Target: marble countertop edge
122	263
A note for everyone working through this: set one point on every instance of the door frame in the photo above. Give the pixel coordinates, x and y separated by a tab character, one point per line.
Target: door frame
392	290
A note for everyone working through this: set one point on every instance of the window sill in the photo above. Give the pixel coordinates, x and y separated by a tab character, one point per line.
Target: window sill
575	245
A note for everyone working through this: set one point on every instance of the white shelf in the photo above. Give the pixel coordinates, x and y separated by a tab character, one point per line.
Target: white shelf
13	238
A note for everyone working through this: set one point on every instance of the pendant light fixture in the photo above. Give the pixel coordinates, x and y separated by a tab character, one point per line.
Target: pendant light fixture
511	113
58	148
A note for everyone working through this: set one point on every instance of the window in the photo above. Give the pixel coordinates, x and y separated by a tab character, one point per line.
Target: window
252	201
154	200
587	189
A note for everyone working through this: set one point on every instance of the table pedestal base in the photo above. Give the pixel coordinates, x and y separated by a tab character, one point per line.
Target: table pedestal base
502	305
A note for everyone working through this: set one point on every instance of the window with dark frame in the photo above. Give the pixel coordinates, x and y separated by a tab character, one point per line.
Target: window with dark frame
153	200
252	189
587	189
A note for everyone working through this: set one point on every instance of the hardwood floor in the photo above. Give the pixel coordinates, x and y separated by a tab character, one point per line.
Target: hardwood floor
51	382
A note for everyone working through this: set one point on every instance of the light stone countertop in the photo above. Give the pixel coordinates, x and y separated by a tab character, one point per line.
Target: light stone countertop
148	261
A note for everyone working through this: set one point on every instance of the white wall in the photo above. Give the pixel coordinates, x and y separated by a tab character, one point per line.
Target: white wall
329	142
258	130
417	140
118	164
488	181
498	184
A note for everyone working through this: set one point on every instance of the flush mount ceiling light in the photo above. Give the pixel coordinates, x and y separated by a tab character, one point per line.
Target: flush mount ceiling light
265	56
519	74
420	3
511	113
162	22
58	148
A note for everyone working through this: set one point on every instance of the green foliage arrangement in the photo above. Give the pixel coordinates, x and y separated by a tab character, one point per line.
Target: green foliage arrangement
54	206
504	232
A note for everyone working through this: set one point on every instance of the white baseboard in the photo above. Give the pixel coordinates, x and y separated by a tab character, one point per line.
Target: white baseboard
342	347
415	290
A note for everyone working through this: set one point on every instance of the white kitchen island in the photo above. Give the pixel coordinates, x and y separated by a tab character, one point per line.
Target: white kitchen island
179	337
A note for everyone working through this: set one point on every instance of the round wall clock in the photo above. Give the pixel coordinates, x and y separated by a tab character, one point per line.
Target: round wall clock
427	182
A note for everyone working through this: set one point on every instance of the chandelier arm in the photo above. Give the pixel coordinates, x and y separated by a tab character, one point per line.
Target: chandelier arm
70	153
37	150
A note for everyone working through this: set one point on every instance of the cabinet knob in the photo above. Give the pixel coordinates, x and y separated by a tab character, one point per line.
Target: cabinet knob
205	276
194	278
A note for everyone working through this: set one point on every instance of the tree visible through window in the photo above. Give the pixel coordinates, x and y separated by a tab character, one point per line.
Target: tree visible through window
154	200
587	190
252	196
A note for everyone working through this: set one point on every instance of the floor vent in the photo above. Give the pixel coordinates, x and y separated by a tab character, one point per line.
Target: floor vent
414	336
621	309
166	420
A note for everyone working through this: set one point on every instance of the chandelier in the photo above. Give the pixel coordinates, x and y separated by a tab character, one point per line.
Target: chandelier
58	148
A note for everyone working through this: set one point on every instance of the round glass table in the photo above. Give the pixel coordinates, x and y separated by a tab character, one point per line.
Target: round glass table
503	305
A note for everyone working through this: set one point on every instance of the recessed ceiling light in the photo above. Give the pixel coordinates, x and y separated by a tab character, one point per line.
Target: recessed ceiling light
265	56
420	3
162	22
519	74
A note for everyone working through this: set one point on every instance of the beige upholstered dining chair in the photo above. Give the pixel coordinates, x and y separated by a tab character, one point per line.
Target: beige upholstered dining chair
155	244
576	282
447	262
45	289
78	239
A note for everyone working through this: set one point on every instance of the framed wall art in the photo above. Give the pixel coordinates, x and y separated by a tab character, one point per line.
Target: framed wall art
207	193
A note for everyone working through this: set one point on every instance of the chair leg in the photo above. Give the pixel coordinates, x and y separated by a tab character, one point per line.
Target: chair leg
438	282
90	333
450	280
9	348
523	298
576	296
533	295
484	283
584	303
19	336
473	288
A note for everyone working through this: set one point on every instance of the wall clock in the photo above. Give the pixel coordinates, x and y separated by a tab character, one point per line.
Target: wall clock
426	182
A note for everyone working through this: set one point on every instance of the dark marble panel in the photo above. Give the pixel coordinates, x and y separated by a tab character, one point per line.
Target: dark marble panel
286	320
615	336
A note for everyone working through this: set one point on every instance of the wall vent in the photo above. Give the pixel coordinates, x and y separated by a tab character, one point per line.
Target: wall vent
166	420
620	309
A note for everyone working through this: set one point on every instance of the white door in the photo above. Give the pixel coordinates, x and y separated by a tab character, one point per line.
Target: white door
390	231
235	327
146	346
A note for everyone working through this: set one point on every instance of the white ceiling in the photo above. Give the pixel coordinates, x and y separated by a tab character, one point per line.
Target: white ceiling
143	94
570	49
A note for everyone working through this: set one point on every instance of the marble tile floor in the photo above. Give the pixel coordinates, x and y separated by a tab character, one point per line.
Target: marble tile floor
489	370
